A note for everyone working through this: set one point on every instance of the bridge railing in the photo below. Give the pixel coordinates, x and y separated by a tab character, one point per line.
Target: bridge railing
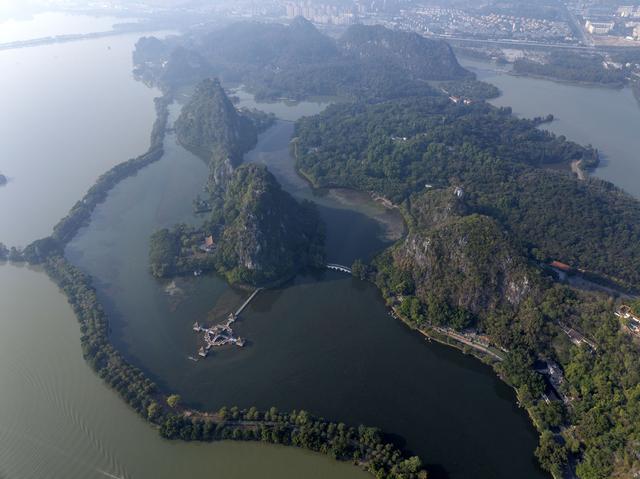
338	267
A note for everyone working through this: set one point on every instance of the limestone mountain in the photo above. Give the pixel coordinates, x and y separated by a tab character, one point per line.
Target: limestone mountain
267	234
419	57
297	61
459	266
210	126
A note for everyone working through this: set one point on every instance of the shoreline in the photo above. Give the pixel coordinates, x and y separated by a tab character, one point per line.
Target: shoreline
579	83
76	37
378	200
481	353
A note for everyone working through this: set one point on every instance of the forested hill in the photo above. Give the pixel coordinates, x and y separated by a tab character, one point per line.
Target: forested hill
419	57
572	67
459	266
297	61
250	45
261	234
210	124
396	148
267	235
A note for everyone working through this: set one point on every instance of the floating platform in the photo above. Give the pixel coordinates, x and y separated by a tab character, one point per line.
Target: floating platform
222	334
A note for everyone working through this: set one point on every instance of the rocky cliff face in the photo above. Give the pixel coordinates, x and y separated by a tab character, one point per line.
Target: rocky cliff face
268	235
435	208
464	261
468	262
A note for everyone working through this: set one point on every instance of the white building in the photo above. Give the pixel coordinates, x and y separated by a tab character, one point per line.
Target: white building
599	28
626	10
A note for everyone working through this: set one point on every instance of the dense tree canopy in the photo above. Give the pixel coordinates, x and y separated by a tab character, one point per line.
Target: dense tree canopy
572	67
399	147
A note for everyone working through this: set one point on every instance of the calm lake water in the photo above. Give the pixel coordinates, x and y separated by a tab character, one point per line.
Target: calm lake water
324	342
59	421
69	113
608	119
49	24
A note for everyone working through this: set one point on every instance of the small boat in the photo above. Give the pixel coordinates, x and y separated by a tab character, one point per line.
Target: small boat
192	359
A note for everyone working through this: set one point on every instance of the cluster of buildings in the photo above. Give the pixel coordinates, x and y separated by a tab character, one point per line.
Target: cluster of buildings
209	244
324	14
632	320
219	335
611	27
631	16
599	28
457	22
629	11
608	23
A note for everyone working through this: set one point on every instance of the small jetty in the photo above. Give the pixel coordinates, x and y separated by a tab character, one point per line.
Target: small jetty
222	334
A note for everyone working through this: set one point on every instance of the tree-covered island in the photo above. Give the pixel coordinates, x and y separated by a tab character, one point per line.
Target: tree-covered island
256	233
616	69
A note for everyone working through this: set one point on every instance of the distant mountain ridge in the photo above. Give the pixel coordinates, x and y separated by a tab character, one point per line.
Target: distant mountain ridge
297	61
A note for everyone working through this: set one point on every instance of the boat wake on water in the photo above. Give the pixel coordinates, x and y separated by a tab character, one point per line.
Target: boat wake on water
109	474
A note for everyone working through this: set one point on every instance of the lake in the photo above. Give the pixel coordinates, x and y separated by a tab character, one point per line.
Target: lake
59	421
50	24
69	113
323	342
